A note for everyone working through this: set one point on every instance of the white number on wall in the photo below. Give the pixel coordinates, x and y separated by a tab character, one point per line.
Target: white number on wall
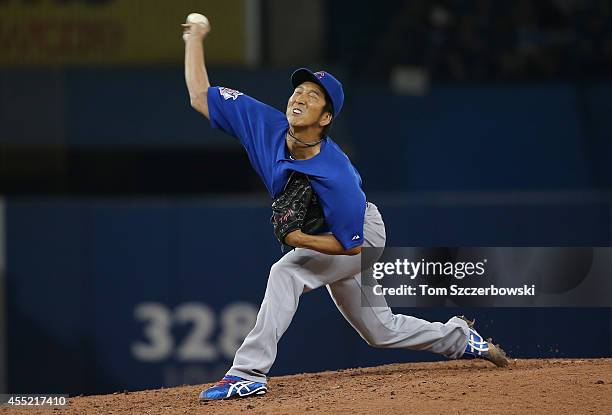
158	322
235	322
196	345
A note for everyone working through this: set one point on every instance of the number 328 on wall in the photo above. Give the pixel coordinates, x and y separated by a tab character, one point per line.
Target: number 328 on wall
235	321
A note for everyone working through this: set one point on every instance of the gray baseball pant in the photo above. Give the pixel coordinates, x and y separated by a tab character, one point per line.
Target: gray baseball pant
302	270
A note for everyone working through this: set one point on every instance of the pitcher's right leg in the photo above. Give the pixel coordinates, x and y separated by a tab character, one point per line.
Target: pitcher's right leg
379	327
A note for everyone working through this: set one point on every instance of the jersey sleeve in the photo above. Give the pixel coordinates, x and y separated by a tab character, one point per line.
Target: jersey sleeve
252	122
240	115
348	213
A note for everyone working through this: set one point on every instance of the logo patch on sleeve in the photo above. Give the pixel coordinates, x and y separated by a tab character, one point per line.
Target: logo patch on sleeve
228	93
356	237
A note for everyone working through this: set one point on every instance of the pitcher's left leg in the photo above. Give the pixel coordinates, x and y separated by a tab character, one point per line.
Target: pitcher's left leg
299	271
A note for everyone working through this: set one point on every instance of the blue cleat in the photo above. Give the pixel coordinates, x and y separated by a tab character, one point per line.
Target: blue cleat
478	347
233	387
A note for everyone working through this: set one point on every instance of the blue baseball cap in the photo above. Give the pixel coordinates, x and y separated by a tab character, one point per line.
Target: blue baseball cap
331	86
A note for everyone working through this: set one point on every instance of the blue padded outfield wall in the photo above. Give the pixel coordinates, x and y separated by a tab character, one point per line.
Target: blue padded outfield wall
106	295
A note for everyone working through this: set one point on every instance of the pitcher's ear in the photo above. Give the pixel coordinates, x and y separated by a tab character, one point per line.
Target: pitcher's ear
326	119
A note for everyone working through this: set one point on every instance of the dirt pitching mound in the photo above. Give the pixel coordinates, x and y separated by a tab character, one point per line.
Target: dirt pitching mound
455	387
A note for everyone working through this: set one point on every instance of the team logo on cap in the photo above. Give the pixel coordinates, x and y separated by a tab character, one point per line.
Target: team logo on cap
228	93
319	74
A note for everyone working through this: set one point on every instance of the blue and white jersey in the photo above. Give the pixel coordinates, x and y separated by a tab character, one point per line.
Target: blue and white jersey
262	130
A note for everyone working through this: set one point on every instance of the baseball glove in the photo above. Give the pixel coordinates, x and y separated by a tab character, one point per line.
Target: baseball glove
297	207
314	222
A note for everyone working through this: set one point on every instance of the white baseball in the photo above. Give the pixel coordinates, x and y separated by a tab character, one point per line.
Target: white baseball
198	18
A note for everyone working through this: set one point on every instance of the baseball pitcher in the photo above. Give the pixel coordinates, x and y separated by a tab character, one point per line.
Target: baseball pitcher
319	210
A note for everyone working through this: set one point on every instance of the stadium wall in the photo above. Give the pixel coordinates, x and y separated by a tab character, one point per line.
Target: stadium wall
112	294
